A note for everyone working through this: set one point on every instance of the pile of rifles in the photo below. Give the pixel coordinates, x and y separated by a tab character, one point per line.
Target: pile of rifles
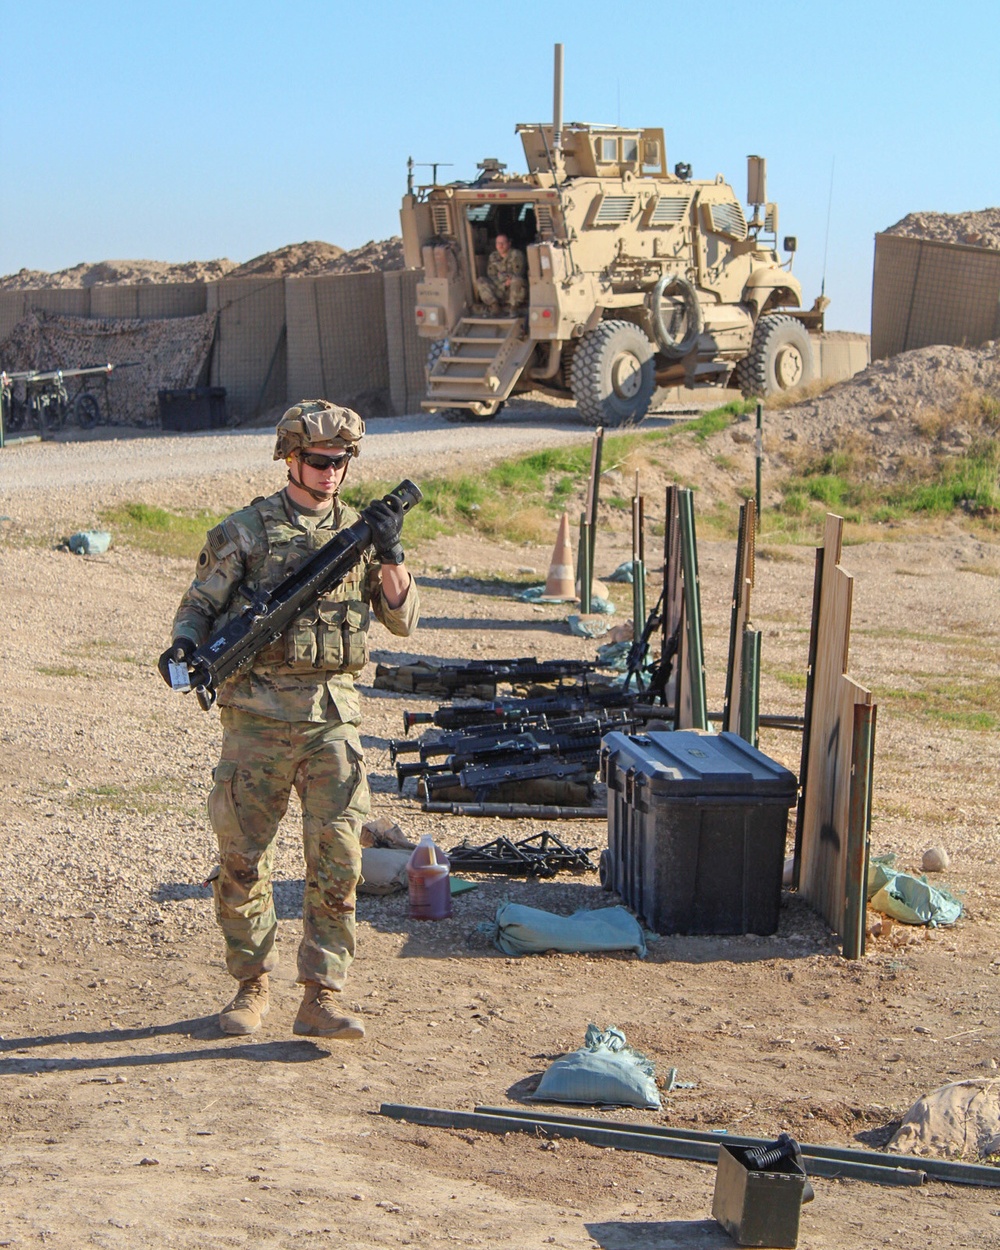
543	747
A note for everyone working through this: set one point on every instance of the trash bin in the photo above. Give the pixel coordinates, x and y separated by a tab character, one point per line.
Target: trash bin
192	408
696	830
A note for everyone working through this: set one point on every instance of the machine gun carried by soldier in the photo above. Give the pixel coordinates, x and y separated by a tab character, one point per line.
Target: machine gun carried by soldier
269	613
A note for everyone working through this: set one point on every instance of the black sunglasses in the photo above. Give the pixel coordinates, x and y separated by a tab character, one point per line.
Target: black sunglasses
315	461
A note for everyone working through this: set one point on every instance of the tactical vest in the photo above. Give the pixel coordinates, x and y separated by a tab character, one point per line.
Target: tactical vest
332	635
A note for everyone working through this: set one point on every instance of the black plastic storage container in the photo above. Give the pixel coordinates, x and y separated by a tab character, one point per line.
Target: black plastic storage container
193	408
696	830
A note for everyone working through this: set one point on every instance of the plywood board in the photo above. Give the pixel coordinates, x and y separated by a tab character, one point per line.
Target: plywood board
823	866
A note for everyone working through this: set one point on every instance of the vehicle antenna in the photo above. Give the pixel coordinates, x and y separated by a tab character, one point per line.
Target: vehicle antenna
826	242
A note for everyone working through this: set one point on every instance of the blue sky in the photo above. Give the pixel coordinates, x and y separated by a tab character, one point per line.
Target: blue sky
197	130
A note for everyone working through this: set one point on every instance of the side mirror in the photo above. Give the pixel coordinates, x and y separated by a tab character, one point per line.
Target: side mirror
790	243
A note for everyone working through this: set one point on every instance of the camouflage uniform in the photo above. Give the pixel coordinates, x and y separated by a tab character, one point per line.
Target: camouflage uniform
493	289
290	720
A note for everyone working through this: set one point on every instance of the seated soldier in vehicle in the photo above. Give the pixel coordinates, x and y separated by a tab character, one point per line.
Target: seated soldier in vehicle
505	288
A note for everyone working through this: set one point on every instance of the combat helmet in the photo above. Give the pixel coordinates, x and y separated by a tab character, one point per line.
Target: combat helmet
318	423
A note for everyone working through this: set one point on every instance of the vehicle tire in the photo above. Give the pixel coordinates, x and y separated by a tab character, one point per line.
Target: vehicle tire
433	352
612	375
465	416
677	334
780	358
86	411
566	363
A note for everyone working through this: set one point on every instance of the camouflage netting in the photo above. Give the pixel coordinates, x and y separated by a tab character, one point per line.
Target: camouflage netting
168	354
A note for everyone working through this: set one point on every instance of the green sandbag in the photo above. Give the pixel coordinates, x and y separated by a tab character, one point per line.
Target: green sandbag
913	900
605	1071
521	930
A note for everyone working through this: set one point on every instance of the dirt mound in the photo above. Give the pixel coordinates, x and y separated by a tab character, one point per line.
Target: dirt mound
295	260
310	260
116	272
375	255
977	229
895	409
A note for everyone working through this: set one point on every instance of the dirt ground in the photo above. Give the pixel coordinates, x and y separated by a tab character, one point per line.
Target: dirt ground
128	1120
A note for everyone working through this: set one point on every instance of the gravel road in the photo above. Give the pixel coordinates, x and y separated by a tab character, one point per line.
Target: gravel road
120	455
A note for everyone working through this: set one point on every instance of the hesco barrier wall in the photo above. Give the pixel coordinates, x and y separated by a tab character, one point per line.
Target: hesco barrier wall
352	337
250	354
926	292
337	345
840	354
15	305
407	351
156	300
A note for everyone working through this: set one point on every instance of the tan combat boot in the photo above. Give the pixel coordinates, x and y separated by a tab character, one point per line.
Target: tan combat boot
248	1008
319	1015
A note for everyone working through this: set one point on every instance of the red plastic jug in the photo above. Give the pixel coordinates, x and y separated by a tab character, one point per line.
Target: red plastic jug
428	873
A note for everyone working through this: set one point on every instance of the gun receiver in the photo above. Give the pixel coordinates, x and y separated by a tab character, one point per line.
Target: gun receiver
269	613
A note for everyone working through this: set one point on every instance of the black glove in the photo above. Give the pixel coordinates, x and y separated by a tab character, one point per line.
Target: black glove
180	651
385	520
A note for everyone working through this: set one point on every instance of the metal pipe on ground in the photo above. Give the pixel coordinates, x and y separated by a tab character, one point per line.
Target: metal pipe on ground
625	1137
935	1169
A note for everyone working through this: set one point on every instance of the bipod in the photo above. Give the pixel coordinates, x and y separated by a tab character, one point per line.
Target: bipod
542	855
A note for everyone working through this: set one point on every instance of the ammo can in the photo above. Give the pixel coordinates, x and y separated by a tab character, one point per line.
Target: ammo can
759	1208
696	830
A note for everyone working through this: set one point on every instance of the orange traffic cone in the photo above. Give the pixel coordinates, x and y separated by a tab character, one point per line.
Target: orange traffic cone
559	584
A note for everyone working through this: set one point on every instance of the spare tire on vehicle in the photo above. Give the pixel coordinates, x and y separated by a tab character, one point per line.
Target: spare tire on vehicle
675	314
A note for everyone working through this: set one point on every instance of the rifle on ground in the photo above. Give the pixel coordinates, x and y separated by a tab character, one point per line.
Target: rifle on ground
269	613
452	679
575	699
476	737
483	779
580	739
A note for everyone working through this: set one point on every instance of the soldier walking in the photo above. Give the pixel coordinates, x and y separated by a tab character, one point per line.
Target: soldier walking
292	718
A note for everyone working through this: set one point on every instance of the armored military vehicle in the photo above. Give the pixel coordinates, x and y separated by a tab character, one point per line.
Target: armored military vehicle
638	277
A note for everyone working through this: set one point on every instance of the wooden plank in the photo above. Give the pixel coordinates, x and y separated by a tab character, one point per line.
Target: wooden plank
824	831
829	867
739	615
858	831
800	806
694	670
672	594
829	758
